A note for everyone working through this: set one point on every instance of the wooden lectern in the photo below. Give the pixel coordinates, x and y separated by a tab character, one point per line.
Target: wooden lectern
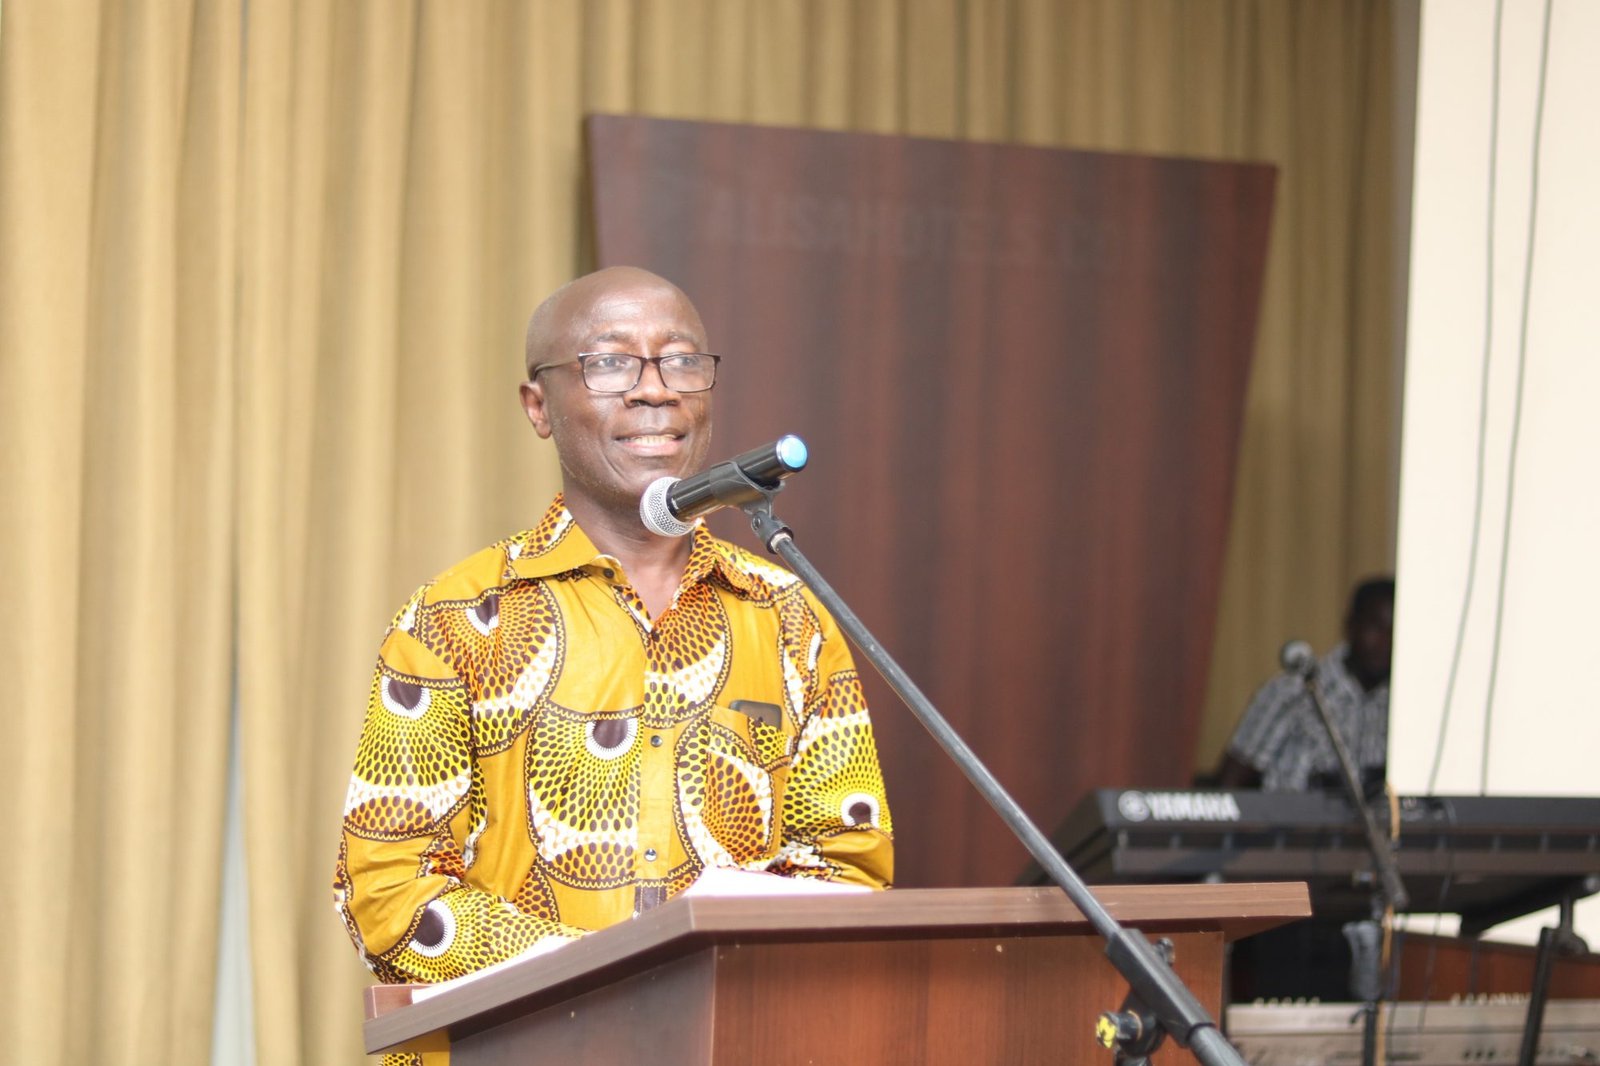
963	975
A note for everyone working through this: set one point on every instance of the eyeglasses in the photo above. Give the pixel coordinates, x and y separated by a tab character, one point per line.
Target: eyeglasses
620	372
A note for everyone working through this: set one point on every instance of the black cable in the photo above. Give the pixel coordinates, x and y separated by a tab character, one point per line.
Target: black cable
1446	883
1516	412
1483	404
1392	987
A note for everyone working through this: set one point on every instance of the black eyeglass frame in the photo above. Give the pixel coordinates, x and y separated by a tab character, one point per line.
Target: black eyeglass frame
639	361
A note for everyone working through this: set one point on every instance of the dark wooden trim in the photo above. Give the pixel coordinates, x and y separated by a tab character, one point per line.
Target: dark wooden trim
1436	968
685	925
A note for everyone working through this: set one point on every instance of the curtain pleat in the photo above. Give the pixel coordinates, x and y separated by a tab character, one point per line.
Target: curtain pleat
263	275
118	145
48	87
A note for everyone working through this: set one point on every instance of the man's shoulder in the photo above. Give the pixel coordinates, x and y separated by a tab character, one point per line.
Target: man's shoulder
752	575
479	572
766	583
1277	694
484	571
507	560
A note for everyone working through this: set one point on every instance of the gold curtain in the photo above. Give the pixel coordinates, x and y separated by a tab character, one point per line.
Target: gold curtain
117	179
263	275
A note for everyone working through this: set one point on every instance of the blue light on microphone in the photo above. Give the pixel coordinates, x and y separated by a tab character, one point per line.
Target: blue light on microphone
792	452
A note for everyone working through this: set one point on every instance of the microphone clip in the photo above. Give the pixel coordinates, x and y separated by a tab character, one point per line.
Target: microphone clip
767	527
730	485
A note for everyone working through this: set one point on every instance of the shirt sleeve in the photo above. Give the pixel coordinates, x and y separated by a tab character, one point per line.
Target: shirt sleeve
836	821
1255	737
1271	736
413	811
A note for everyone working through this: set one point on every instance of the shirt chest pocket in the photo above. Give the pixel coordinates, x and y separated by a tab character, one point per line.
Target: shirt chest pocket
742	767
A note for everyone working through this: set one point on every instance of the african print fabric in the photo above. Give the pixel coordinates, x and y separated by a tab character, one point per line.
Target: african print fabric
542	758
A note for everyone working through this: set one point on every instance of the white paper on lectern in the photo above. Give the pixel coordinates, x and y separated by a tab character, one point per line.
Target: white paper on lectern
719	881
715	883
542	947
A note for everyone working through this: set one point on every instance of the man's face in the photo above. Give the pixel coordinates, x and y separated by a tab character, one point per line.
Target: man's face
613	445
1370	634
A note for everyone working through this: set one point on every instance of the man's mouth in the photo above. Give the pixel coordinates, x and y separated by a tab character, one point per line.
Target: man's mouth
651	443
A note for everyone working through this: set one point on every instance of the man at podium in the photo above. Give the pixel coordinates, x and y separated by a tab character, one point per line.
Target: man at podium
570	726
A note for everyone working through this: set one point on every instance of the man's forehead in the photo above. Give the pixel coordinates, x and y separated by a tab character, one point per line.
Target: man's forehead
1378	611
612	306
615	334
635	312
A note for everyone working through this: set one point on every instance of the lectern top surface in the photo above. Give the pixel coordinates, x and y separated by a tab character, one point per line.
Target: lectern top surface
687	924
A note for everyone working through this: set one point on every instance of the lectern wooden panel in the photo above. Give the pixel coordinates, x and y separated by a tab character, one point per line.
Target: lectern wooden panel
971	976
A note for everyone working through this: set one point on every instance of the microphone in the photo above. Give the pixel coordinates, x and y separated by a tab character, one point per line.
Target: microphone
670	505
1298	659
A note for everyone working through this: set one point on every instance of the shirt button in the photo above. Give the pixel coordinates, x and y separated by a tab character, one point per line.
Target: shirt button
609	573
649	854
655	740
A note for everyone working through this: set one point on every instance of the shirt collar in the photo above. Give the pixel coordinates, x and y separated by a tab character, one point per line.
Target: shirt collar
1335	668
557	545
710	555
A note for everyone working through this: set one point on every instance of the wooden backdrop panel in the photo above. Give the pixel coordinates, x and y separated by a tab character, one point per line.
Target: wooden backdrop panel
1021	374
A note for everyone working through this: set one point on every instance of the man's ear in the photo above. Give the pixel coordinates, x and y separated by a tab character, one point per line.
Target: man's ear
533	405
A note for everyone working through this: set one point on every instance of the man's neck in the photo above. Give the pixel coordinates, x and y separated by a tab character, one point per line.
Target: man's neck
1366	682
654	565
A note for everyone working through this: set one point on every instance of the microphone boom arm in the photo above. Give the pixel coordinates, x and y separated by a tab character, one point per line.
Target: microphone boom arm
1390	891
1384	866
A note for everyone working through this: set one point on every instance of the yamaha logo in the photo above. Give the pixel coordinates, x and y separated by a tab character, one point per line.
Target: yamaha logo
1131	805
1178	806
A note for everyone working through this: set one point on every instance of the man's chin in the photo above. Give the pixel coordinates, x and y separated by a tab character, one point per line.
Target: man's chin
619	487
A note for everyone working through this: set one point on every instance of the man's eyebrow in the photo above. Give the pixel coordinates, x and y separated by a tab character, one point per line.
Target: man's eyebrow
624	336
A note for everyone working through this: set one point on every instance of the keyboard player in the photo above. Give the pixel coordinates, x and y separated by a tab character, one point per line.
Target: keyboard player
1281	745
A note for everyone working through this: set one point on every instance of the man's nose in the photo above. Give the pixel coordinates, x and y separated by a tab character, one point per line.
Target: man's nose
651	387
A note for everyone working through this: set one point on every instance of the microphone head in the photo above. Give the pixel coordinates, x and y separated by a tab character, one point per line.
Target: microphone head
1298	659
655	513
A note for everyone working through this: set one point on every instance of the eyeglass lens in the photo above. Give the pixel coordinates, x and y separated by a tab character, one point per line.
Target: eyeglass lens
620	371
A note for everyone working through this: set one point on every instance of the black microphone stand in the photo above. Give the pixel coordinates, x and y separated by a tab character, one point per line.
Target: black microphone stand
1560	939
1158	1002
1389	892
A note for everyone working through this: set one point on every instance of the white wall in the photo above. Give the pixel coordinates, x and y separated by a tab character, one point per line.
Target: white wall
1543	733
233	1027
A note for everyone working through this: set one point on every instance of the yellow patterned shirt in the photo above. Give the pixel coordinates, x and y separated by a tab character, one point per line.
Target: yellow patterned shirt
540	757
